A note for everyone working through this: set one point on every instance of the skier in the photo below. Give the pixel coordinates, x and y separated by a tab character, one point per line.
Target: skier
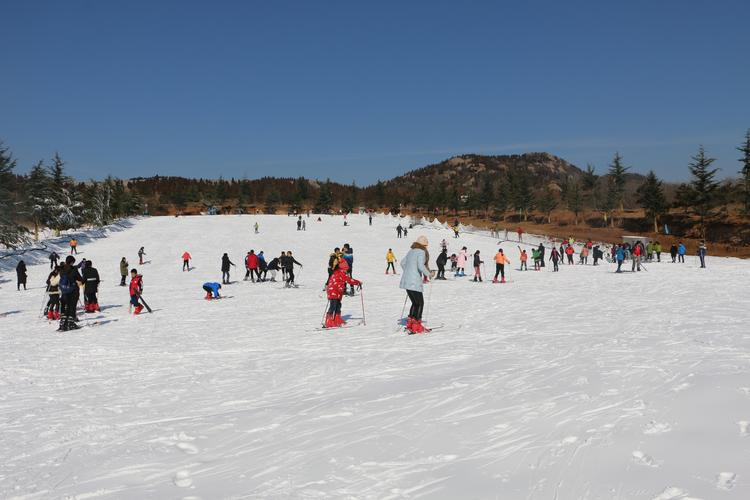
619	257
454	263
554	256
562	253
70	280
212	290
649	251
281	265
597	254
637	256
141	253
91	287
21	275
335	292
406	232
73	246
702	253
225	265
541	254
500	261
304	224
136	289
262	266
186	261
251	266
657	250
461	262
681	252
455	231
52	309
348	254
256	227
523	258
273	266
477	264
441	261
369	218
287	262
53	258
583	257
535	256
520	234
333	262
299	223
123	271
415	273
390	259
673	253
399	230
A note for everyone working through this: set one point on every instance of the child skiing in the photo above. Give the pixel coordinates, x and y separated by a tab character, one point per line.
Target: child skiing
554	256
136	289
390	259
500	261
91	287
186	262
415	273
335	292
212	290
536	256
441	261
477	264
523	257
73	246
52	309
53	258
461	262
70	281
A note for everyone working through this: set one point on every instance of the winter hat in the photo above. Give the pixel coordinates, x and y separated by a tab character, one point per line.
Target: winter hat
422	240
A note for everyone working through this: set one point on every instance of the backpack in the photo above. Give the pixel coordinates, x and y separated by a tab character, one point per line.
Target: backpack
66	286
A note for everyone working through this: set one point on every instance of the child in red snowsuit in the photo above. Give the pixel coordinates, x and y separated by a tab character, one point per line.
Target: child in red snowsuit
335	289
136	287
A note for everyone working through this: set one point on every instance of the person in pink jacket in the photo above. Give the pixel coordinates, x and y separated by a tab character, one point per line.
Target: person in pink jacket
461	262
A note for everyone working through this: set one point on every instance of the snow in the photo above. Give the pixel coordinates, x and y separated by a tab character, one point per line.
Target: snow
570	385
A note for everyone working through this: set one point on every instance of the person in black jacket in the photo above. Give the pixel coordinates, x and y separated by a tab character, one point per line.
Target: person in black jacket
273	266
70	280
91	287
441	261
21	275
53	258
541	253
52	309
225	263
477	266
287	263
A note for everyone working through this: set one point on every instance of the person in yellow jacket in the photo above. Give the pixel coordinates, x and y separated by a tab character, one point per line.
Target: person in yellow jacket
500	261
390	258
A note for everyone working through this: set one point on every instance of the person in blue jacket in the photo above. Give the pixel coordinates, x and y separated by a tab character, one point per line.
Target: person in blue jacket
620	257
262	266
702	254
212	290
681	252
415	274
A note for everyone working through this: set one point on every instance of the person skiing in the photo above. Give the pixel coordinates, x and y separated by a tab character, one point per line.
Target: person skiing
53	258
681	251
273	266
212	290
415	274
406	232
299	223
554	256
520	234
225	266
141	253
136	289
335	292
390	260
649	251
702	254
477	266
52	309
369	218
455	231
657	251
73	246
454	263
673	253
70	281
637	255
256	227
333	262
569	252
186	261
523	258
500	261
251	266
399	230
348	254
262	266
535	256
90	288
541	254
561	251
21	275
461	262
287	262
123	271
583	257
304	224
441	261
619	257
597	254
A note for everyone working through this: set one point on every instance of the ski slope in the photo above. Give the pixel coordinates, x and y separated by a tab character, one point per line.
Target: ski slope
582	384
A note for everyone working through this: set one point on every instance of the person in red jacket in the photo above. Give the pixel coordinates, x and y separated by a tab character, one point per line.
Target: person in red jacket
136	288
335	289
186	261
569	252
251	266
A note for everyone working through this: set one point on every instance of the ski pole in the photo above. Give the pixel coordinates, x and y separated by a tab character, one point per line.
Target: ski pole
403	308
429	296
362	297
45	297
323	319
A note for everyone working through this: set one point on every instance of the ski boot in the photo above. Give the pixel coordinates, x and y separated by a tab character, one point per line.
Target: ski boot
338	320
330	321
138	309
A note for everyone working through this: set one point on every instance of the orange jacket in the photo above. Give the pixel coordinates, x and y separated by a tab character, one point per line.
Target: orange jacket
500	258
524	256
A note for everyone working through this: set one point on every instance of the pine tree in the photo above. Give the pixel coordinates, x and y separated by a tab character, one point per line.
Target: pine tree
575	201
12	234
745	160
272	200
547	203
522	196
487	195
380	193
325	198
616	186
588	182
99	204
703	186
651	198
39	195
503	198
683	197
64	208
350	200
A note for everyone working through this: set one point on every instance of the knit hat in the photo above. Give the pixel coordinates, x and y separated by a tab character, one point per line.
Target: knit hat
422	240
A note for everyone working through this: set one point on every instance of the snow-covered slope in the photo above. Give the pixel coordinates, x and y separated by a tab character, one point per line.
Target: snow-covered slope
569	385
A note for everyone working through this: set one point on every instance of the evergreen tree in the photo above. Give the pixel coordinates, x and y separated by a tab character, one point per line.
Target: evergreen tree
65	208
380	193
684	197
522	196
547	203
503	198
617	185
588	182
12	234
651	198
325	199
422	198
487	195
575	201
454	200
745	160
703	186
99	207
350	200
273	198
39	196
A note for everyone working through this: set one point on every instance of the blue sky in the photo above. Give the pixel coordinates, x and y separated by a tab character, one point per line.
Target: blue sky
367	90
